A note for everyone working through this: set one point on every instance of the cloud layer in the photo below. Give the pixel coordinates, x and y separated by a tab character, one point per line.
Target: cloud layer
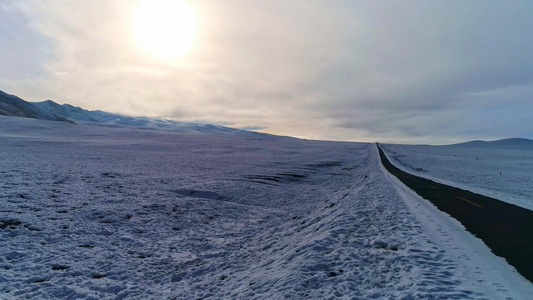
404	71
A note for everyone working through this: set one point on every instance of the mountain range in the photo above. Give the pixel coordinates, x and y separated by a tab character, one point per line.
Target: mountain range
11	105
511	143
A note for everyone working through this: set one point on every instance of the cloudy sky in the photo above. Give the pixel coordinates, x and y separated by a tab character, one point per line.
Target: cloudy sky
391	71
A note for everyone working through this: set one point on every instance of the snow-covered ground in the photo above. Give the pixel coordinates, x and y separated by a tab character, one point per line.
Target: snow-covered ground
93	212
502	170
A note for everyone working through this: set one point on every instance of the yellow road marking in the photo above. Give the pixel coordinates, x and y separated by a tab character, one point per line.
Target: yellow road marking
436	188
469	201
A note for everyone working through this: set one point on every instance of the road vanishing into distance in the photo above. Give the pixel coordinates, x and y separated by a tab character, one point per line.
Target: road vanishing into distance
505	228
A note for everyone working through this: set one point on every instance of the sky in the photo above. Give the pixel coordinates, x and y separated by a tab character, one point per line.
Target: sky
389	71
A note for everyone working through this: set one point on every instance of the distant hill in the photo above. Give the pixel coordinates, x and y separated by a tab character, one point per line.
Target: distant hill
11	105
66	111
74	113
512	143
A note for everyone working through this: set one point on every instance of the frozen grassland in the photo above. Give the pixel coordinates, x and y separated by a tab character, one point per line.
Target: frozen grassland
91	212
504	174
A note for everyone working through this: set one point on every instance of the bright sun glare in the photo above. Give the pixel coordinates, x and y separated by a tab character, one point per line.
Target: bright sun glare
166	28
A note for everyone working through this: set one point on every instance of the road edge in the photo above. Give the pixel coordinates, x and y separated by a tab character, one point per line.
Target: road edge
486	271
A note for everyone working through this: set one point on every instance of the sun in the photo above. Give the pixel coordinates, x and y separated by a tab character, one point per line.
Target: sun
165	29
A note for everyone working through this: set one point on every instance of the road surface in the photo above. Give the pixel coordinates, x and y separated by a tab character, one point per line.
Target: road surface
505	228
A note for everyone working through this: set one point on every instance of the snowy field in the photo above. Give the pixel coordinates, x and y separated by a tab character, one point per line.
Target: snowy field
93	212
499	170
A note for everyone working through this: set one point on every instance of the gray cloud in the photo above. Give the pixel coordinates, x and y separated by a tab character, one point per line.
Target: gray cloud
404	71
23	48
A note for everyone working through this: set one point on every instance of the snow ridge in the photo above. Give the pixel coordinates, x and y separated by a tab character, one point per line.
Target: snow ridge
78	114
511	143
11	105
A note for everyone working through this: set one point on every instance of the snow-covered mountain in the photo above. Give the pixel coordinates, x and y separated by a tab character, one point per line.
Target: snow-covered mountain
11	105
78	114
66	111
512	143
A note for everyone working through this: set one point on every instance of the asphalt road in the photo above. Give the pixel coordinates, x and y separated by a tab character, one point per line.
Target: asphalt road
505	228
